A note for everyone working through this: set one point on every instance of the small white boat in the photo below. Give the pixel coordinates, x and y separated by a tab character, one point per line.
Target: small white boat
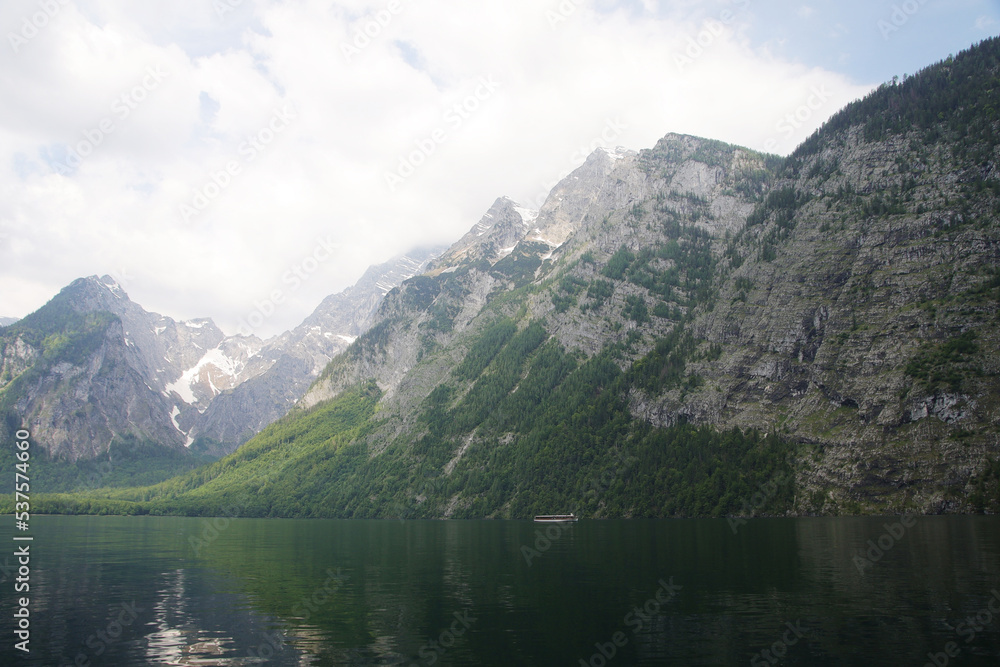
556	518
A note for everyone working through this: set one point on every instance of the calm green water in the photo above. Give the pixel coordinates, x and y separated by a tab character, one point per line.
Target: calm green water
133	591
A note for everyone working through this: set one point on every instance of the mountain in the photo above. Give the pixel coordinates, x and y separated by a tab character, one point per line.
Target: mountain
290	362
94	376
694	329
7	321
73	373
493	384
492	238
91	366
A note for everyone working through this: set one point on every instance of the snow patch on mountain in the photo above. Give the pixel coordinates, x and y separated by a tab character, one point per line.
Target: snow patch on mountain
214	360
112	285
173	418
528	215
616	153
537	236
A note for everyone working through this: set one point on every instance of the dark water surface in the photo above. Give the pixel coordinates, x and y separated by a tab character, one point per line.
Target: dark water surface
174	591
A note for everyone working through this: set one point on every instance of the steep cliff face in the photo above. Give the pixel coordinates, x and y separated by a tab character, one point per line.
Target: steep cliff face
508	248
180	366
75	376
864	321
490	239
594	213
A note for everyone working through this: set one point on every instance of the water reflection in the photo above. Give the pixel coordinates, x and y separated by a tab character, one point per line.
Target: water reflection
138	591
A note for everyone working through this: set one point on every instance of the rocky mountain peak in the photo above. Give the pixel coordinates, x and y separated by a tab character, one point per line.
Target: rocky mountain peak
567	204
95	293
494	237
380	279
507	223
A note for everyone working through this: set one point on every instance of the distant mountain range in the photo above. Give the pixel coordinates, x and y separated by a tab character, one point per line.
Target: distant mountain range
92	367
287	364
6	321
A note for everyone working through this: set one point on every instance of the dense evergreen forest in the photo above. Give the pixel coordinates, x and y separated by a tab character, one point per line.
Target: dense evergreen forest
558	424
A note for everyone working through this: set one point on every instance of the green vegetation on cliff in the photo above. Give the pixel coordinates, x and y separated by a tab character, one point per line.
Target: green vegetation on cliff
544	430
58	333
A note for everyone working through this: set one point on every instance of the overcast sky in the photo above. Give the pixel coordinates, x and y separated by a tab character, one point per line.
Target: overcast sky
213	154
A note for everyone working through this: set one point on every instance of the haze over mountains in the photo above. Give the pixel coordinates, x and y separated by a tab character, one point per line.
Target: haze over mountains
676	331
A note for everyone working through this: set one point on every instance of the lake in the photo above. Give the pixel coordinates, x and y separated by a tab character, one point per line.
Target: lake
809	591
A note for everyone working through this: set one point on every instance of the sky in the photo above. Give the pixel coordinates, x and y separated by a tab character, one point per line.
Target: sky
242	159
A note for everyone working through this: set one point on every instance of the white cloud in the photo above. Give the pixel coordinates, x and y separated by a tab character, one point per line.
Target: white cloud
324	172
985	23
